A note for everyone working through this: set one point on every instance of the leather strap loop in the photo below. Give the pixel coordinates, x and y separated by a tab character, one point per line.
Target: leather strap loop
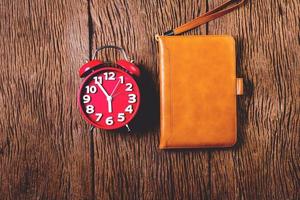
239	86
217	12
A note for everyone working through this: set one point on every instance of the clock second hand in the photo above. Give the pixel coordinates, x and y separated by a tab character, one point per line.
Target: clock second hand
110	98
115	88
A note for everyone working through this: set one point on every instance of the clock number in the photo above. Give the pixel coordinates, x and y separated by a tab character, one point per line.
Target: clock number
86	98
99	115
109	121
129	109
98	80
110	76
89	109
121	79
121	117
128	87
132	98
91	89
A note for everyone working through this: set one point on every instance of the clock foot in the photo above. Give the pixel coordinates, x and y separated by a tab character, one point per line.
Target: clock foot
91	129
128	129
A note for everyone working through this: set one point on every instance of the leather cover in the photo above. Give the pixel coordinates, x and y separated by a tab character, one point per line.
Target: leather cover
197	91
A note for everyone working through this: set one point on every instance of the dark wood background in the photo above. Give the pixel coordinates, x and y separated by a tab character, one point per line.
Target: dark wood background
46	151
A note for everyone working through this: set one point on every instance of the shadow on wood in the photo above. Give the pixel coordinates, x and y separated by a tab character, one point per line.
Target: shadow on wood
147	119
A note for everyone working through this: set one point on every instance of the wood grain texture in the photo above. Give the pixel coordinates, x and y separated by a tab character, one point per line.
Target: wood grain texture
132	166
44	148
265	162
46	151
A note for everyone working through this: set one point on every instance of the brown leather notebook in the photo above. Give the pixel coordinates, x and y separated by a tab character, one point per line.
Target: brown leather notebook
198	88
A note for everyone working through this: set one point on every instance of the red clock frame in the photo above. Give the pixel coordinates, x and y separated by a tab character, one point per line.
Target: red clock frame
101	111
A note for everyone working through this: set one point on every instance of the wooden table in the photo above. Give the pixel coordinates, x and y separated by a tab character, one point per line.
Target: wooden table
46	151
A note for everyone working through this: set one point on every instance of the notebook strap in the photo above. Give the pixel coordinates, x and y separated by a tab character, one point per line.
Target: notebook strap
217	12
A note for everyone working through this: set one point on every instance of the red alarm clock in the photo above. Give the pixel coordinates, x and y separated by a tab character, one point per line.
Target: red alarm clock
109	96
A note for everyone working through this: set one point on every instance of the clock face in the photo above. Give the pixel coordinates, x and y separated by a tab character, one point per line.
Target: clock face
109	98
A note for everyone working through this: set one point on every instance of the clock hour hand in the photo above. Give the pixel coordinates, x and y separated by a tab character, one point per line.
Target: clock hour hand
109	99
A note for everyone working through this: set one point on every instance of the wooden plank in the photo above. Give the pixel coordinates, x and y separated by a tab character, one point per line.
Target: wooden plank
46	153
44	147
265	162
131	166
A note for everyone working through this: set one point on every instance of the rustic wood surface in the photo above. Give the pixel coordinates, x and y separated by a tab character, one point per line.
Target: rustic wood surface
46	151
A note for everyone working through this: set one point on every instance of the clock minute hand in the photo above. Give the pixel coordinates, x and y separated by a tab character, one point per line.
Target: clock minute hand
103	90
